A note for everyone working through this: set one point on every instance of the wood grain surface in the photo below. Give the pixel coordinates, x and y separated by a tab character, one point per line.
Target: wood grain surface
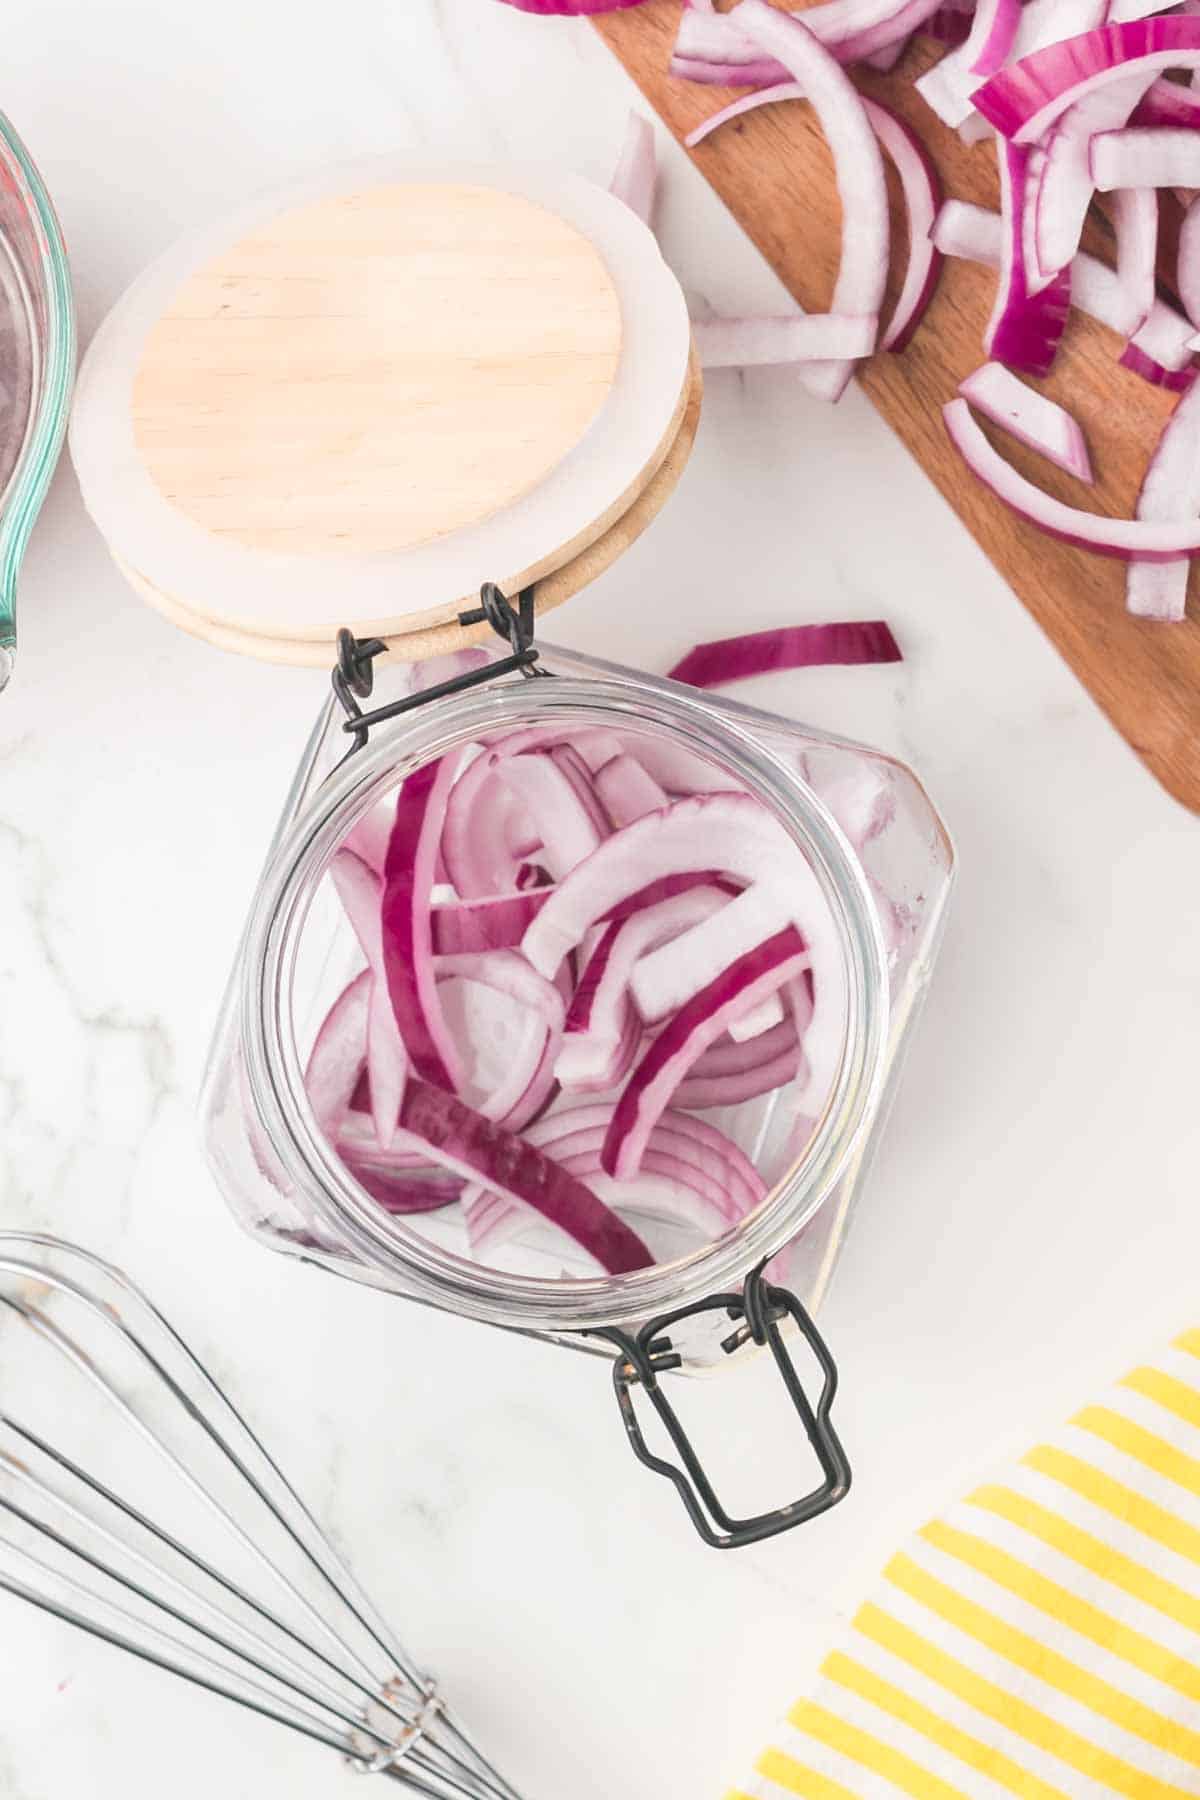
374	370
774	173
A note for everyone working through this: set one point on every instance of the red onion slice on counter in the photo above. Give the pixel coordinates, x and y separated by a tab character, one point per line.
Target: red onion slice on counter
858	166
726	660
1127	538
1170	490
765	342
918	181
1037	421
1028	96
1146	157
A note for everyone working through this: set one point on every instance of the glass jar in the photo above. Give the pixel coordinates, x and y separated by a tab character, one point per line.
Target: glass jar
884	864
37	363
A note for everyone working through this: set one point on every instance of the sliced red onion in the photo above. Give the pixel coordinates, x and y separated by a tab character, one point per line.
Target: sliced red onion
731	1057
973	232
407	933
1025	99
571	9
1146	156
597	1026
459	1138
949	85
919	184
734	829
922	192
368	839
667	978
1026	326
1166	103
338	1056
692	1139
858	164
769	342
1135	221
487	832
1187	270
1067	179
527	1072
726	660
568	826
627	791
1037	421
710	47
709	1093
496	922
948	25
577	772
1128	538
649	1090
636	175
885	60
360	891
758	1020
1170	490
1178	381
399	1190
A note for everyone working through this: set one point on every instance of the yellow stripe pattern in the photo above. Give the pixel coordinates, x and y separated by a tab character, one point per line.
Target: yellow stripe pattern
1043	1643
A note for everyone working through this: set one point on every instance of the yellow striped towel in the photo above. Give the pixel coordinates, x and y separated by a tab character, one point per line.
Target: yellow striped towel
1041	1640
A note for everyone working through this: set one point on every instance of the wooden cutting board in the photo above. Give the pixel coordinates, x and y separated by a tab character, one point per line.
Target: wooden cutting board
774	172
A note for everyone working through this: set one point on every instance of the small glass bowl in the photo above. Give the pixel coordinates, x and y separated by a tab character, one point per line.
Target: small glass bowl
37	363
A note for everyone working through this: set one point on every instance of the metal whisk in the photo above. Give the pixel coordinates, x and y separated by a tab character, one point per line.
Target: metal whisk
217	1571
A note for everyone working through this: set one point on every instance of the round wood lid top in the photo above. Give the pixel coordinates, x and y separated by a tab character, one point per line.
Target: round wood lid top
375	369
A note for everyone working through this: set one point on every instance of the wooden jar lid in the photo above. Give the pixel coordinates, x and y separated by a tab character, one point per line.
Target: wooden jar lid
367	393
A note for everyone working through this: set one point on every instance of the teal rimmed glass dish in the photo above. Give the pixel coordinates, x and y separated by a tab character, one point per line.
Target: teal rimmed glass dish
37	363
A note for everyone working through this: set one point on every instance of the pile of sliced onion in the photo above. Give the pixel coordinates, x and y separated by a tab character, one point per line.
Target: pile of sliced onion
582	1051
1073	98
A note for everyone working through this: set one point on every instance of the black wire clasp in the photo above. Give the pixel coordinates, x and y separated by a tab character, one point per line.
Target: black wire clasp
354	674
759	1311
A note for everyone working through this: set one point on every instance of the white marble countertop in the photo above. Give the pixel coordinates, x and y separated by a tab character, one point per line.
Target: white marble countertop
1032	1221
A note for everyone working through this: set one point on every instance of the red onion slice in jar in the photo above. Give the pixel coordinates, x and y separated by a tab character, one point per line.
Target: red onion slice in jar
407	932
597	1025
700	1023
495	922
627	791
1032	418
460	1139
570	826
360	891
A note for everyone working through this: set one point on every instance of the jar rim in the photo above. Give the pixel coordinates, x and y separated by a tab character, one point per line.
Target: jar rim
275	1072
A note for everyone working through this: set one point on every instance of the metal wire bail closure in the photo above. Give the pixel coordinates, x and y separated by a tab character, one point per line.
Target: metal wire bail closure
759	1311
353	673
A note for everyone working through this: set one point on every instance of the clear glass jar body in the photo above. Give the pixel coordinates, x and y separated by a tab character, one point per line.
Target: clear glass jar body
868	830
37	356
